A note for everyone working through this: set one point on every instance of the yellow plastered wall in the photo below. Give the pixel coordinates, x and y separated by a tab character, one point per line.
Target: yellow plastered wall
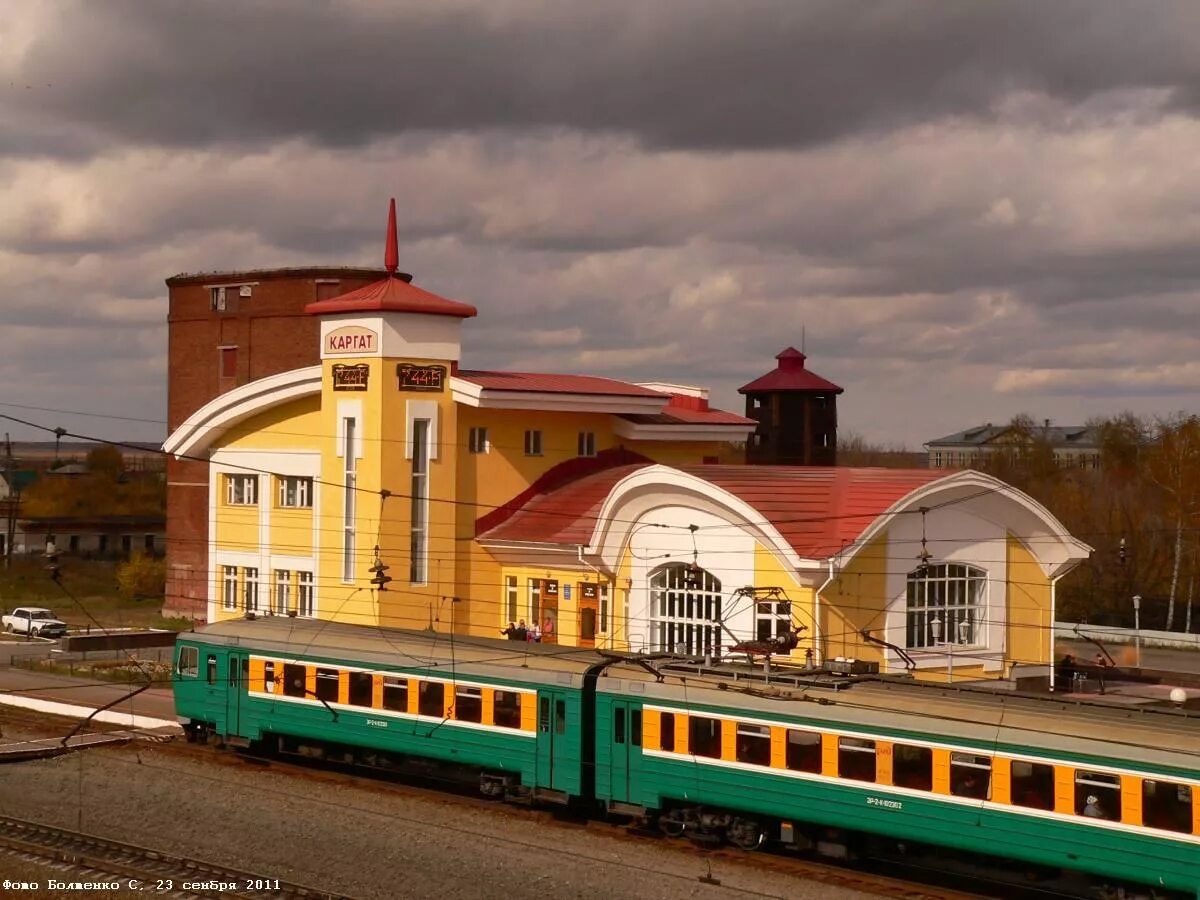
855	600
770	571
1028	613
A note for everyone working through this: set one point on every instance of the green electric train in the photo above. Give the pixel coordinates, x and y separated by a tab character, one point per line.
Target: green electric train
725	752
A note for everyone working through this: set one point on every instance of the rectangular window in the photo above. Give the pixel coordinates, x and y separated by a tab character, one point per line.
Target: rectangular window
295	680
1098	795
189	661
229	587
228	362
327	685
587	443
269	677
856	758
362	689
945	605
753	744
970	776
535	600
283	592
304	593
635	727
478	442
560	716
147	543
603	609
803	751
1032	784
395	694
1167	805
241	490
533	443
619	725
544	715
773	619
510	598
348	497
419	531
216	299
912	767
250	589
296	493
704	736
506	709
468	704
666	735
431	699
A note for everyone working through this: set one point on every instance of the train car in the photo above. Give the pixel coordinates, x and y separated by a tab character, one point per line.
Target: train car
813	762
510	714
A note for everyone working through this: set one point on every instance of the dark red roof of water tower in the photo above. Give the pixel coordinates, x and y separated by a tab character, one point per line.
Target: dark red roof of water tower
790	375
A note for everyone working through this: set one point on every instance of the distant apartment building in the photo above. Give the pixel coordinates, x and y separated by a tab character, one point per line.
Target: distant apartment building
1074	446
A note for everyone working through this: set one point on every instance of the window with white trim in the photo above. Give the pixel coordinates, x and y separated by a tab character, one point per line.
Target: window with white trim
241	490
304	594
603	627
685	610
510	597
250	589
772	619
587	443
945	606
478	441
348	497
533	443
296	493
283	591
229	587
419	530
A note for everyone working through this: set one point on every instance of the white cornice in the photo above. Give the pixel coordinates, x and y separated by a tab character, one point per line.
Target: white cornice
684	431
214	418
470	394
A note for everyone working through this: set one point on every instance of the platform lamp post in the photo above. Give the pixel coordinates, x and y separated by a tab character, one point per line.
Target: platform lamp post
1137	627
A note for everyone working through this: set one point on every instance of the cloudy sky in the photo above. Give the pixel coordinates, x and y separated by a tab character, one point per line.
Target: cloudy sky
975	209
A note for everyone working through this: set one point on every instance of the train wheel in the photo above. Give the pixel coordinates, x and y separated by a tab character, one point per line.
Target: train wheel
671	827
745	833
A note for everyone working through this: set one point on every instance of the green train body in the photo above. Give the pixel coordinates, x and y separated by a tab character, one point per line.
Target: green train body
717	750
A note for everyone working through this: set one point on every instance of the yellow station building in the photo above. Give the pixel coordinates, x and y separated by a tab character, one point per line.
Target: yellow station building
597	509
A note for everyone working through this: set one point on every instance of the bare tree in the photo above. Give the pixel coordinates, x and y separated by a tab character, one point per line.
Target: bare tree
1174	465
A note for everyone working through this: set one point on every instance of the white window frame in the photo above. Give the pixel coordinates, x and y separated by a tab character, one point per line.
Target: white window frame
306	597
939	601
778	613
511	598
229	586
418	563
295	492
602	625
682	615
586	445
241	490
250	585
283	591
533	442
349	491
477	441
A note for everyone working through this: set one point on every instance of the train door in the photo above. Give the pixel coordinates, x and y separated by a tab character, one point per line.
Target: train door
236	681
626	749
553	741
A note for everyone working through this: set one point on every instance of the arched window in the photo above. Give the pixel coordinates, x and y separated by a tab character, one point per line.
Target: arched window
946	606
685	610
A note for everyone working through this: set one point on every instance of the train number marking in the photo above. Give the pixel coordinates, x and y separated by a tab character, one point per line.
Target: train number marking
377	723
886	804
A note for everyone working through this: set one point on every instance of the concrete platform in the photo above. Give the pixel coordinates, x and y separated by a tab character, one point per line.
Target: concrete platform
76	698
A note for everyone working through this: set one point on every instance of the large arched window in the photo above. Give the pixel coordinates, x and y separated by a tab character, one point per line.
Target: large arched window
946	605
685	610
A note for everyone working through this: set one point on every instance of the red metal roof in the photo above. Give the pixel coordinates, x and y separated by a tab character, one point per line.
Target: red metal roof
790	375
395	295
555	384
675	415
818	510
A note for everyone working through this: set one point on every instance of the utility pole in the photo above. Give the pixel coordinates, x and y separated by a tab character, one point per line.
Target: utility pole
10	501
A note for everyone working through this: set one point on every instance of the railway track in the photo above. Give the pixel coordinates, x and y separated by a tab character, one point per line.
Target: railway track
87	858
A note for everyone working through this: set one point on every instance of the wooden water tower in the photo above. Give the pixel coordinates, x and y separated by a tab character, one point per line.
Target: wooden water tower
796	411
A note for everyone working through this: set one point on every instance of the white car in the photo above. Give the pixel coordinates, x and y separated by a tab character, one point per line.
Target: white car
34	621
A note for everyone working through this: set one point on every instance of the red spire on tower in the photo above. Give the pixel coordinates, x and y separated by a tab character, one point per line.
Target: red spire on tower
391	255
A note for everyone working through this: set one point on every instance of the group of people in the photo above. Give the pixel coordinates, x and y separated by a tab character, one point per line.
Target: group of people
519	631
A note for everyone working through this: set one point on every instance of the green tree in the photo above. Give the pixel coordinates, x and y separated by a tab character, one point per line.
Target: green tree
142	577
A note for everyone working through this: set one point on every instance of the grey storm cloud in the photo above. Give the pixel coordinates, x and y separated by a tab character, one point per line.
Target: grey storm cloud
695	74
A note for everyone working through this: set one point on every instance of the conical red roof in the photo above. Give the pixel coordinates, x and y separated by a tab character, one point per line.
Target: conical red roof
790	375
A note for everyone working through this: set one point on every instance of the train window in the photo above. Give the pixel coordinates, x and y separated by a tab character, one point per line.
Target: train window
327	685
970	776
856	758
704	736
544	714
468	704
753	744
1098	795
395	693
1032	784
362	689
560	716
666	731
1167	805
269	677
618	725
803	751
210	669
912	767
431	699
295	680
506	709
635	727
189	661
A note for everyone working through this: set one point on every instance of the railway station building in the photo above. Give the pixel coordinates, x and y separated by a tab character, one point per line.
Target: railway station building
604	511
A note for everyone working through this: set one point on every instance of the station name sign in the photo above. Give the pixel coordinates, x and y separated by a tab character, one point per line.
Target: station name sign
351	340
350	378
